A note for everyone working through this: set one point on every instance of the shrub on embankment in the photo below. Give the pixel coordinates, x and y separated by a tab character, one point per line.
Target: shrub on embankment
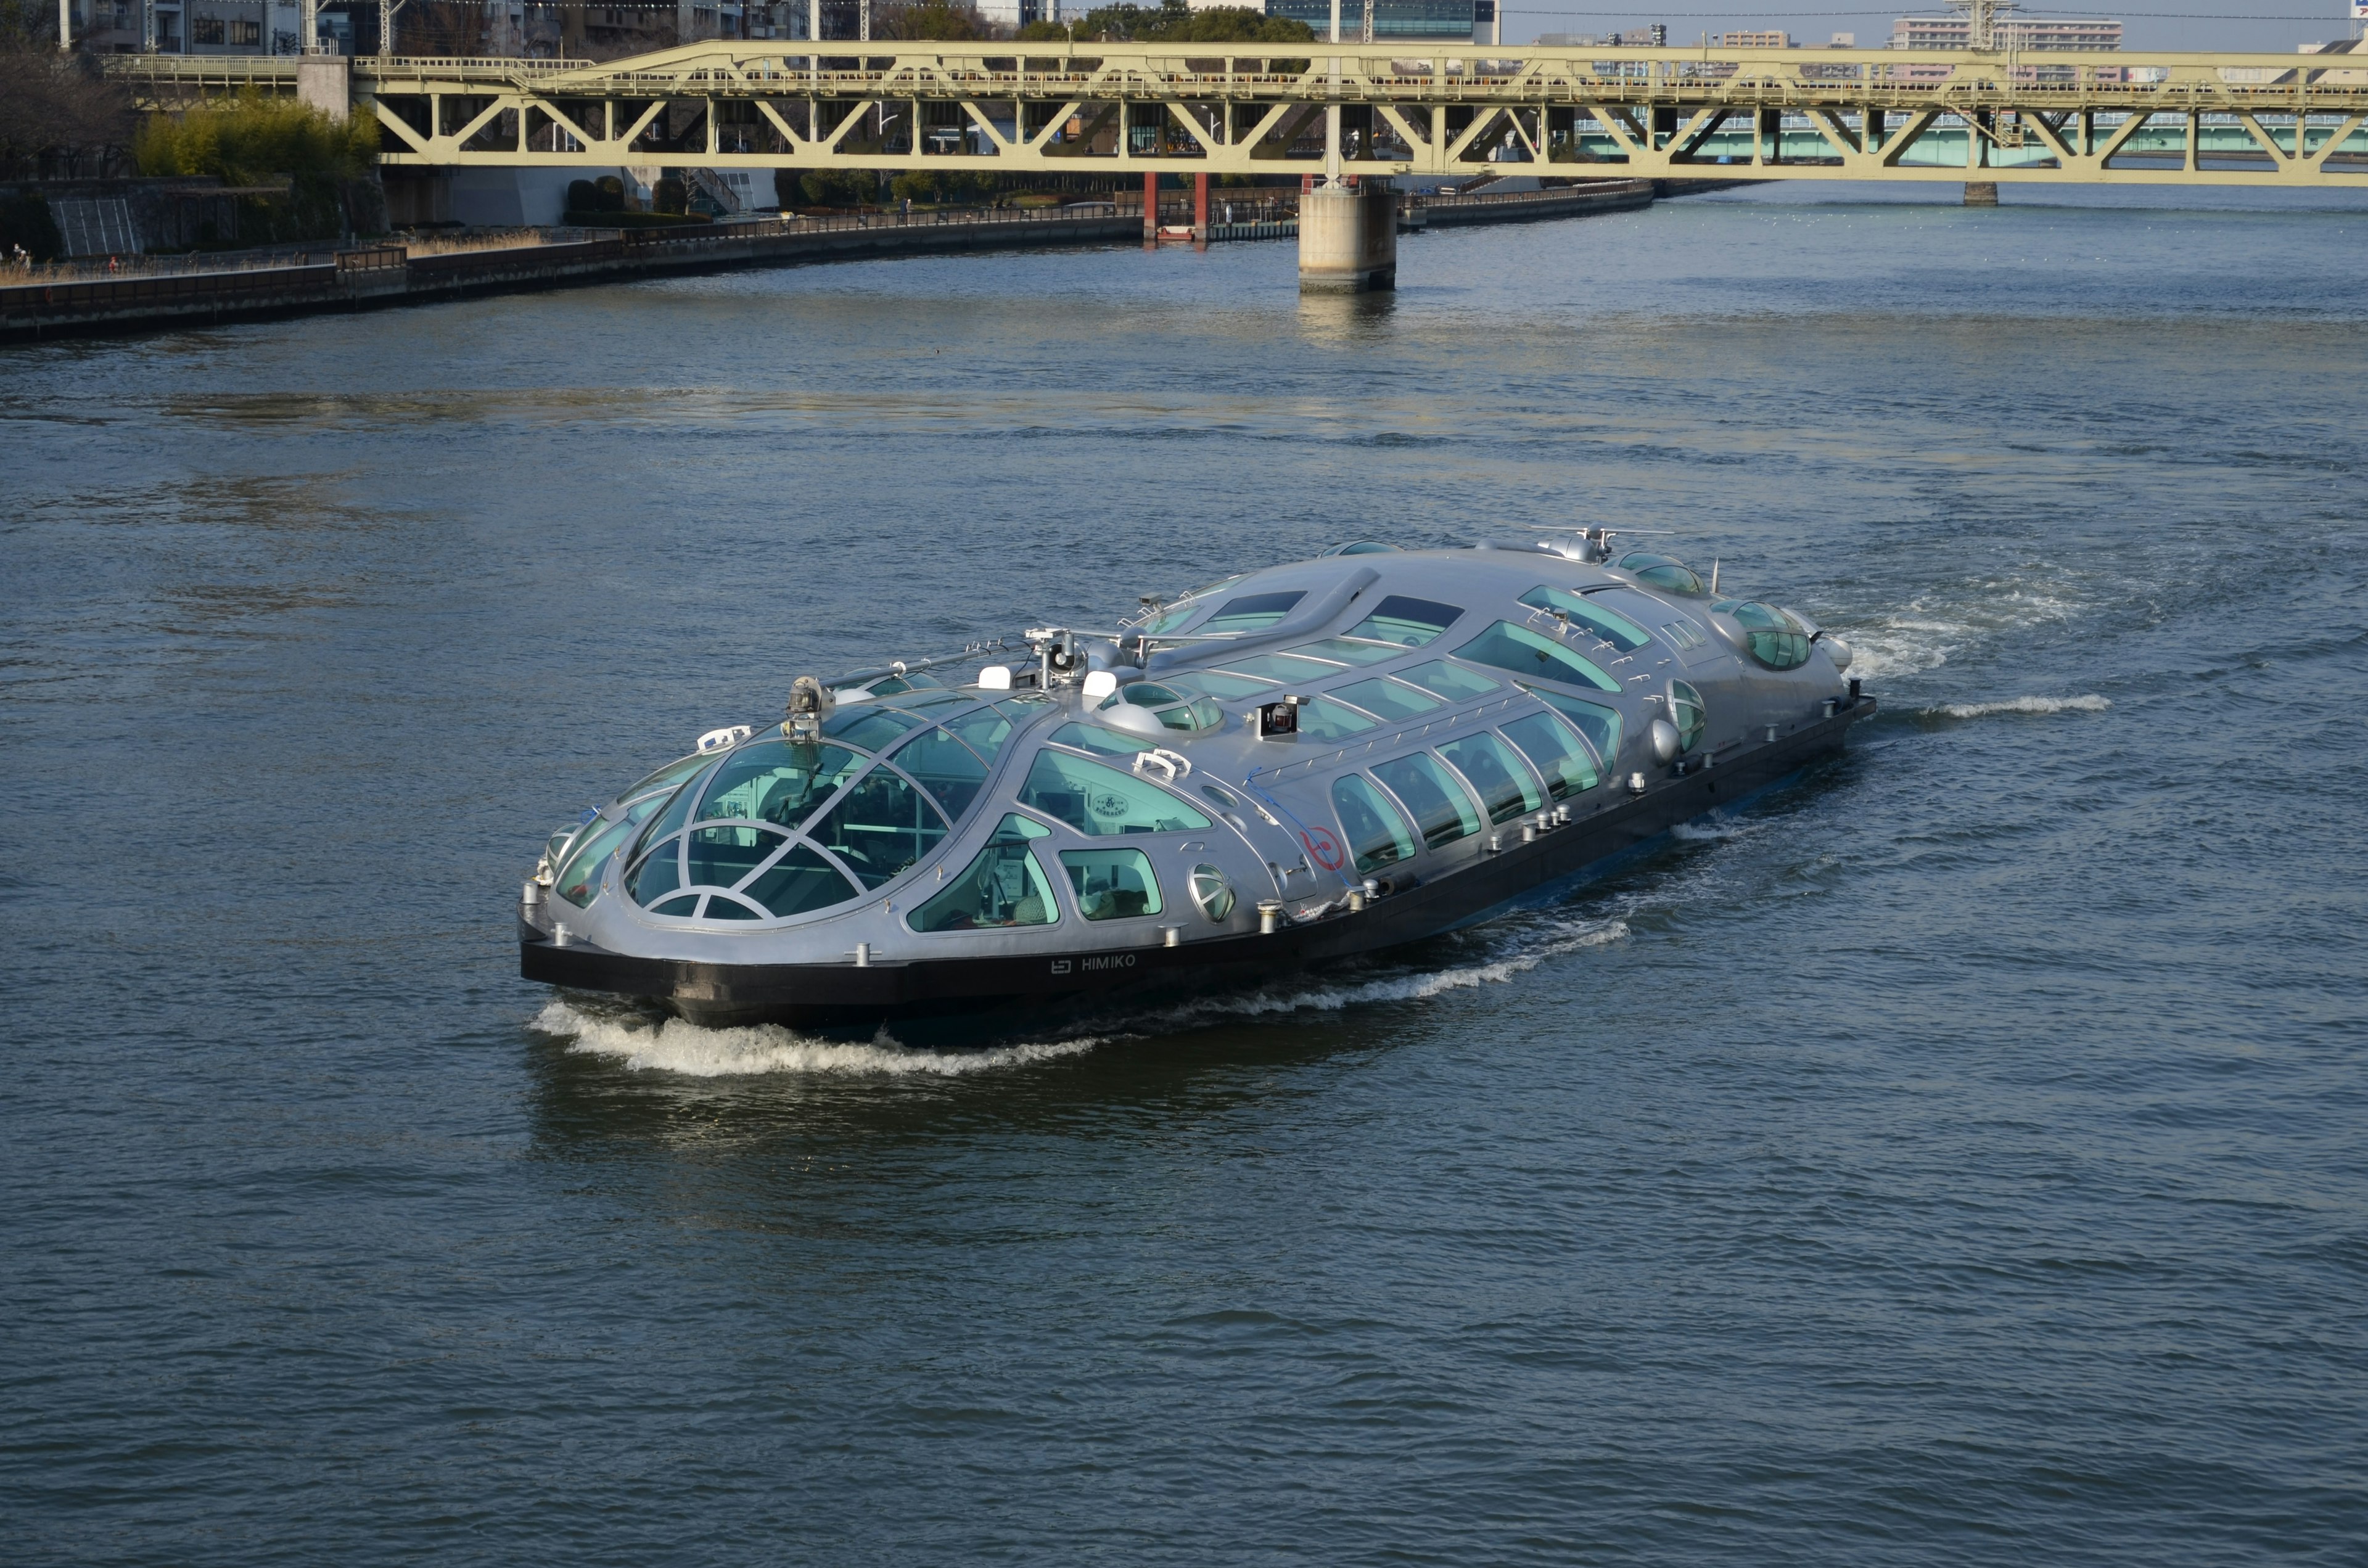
26	224
253	141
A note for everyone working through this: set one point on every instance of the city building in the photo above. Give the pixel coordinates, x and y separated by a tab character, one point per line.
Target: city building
1470	21
2027	34
1751	41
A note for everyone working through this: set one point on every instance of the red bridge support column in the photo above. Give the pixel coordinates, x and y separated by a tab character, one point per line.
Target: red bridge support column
1200	210
1151	209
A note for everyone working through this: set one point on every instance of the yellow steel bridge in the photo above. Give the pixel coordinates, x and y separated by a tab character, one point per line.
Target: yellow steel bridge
1404	110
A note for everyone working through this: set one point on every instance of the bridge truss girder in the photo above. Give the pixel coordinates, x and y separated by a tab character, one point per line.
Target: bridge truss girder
1418	109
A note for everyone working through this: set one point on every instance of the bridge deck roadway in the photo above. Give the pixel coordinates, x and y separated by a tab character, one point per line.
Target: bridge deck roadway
1407	110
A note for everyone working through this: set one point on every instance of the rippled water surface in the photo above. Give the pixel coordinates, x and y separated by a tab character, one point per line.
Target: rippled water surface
1957	1159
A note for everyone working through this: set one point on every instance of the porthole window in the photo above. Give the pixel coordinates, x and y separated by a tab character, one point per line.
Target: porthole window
1377	835
1212	894
1112	885
1660	572
1686	711
1003	887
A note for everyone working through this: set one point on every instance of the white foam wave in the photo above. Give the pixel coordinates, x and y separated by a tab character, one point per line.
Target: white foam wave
675	1046
2091	703
1923	634
1418	988
1714	831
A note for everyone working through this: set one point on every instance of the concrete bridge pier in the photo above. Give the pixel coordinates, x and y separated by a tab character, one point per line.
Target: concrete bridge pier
1981	193
1349	238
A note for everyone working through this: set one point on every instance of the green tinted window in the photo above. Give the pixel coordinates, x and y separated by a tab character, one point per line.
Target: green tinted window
659	873
1252	612
1377	834
1442	809
1408	622
779	781
1599	724
671	774
677	812
1775	636
882	827
1110	742
1209	683
983	732
580	878
1616	629
871	727
1558	752
1102	801
1450	682
1112	885
1687	713
1282	666
719	856
948	770
1660	572
1348	652
1322	721
1387	698
798	883
1003	887
1496	775
1533	653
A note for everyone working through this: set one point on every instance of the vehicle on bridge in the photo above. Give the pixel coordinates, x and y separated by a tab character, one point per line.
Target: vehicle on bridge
1287	768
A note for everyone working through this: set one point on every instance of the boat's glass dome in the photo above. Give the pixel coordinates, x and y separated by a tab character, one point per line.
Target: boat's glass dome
1174	707
1688	713
1005	886
785	826
1660	572
1776	637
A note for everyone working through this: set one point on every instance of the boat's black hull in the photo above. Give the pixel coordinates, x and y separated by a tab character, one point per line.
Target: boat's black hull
839	995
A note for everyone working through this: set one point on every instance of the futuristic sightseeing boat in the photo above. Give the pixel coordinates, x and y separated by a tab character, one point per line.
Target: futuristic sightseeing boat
1285	768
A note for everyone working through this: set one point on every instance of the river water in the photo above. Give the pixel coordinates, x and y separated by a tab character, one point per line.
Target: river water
1956	1159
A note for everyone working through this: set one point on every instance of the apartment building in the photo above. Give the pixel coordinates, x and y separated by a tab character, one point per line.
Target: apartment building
2027	34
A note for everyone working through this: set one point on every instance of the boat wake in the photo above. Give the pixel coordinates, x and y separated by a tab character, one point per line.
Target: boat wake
2033	705
674	1046
671	1045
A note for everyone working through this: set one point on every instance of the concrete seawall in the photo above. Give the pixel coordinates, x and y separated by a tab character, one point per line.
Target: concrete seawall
368	276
